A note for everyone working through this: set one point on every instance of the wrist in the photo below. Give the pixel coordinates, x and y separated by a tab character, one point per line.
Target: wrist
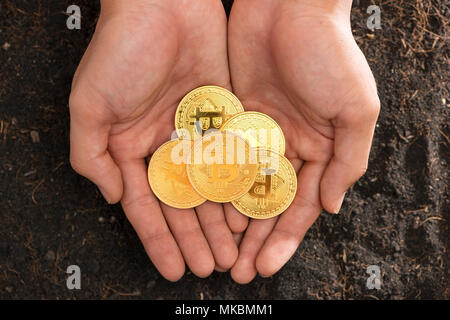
117	6
325	6
334	9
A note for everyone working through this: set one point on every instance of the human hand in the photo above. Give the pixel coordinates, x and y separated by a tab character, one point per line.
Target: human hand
297	61
143	58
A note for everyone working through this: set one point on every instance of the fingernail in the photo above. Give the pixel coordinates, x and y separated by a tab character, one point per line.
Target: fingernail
219	269
104	194
339	204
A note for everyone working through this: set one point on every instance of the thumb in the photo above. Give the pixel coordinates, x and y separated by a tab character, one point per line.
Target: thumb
89	130
353	138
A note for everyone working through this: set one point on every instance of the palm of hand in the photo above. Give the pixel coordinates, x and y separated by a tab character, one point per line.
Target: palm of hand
143	64
284	63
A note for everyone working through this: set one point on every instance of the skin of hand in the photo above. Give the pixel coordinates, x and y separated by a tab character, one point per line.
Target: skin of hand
297	61
144	57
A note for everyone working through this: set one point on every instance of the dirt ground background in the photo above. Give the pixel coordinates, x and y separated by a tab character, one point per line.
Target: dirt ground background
396	217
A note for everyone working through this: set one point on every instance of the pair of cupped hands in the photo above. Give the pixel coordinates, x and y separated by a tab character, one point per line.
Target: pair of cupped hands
295	60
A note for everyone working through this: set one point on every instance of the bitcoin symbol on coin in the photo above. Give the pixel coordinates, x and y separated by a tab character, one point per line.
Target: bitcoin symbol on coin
205	108
263	190
177	176
273	190
220	177
207	116
222	174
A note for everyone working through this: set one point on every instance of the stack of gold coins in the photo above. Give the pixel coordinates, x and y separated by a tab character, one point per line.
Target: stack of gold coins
223	154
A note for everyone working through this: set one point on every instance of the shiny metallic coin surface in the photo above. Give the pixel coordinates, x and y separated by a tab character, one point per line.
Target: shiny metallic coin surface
168	178
222	169
258	129
274	188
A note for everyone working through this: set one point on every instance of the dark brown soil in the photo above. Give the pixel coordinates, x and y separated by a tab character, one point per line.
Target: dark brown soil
396	217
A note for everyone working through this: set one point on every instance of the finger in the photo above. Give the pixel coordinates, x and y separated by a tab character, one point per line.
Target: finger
219	236
89	131
297	164
144	213
293	223
353	138
244	270
187	231
236	221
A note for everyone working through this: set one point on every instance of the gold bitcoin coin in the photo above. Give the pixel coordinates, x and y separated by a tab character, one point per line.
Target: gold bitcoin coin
205	108
260	130
222	169
274	188
168	178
